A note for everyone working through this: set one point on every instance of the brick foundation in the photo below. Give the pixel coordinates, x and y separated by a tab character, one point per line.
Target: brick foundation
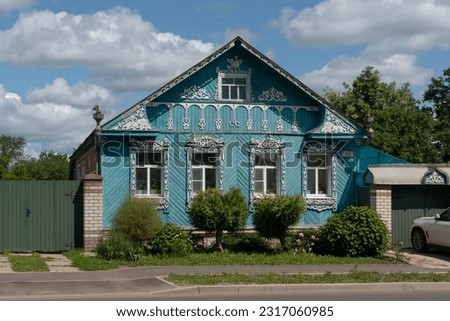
92	210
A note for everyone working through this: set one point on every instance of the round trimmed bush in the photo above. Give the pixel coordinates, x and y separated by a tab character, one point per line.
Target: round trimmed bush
274	215
357	231
139	219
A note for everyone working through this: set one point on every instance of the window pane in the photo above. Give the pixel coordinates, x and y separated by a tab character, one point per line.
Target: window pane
228	81
240	81
323	182
197	186
259	187
271	178
197	174
259	174
210	177
266	159
242	92
225	93
207	159
141	180
149	158
233	92
311	181
316	160
155	180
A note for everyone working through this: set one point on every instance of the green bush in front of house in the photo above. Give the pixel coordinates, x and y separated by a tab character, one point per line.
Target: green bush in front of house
139	219
274	215
357	231
171	241
214	211
117	246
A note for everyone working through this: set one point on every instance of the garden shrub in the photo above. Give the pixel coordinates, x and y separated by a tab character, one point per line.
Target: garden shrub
357	231
274	215
214	211
118	247
305	241
246	243
171	241
139	219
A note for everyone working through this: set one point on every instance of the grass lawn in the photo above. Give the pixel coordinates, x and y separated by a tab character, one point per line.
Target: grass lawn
327	278
27	263
92	263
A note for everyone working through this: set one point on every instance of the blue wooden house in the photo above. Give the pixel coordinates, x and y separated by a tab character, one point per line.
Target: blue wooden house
234	119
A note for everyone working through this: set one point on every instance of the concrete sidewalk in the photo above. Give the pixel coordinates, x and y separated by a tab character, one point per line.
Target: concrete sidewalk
67	283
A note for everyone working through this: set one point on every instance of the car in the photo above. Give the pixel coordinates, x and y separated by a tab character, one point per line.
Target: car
429	232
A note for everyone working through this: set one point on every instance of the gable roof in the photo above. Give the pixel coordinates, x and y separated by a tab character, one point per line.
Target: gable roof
238	41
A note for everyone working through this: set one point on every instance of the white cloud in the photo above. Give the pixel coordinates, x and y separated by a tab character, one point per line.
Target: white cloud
393	25
12	5
51	118
392	34
400	68
116	46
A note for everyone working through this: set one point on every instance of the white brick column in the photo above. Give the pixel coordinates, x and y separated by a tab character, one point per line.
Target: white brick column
381	201
92	210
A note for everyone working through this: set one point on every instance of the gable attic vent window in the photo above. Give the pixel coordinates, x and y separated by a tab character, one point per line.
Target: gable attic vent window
234	87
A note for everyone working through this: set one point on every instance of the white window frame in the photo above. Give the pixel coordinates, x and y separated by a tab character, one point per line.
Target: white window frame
222	76
203	169
264	169
327	167
148	167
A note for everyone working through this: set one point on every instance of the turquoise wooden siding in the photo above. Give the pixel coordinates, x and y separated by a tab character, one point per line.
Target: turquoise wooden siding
190	107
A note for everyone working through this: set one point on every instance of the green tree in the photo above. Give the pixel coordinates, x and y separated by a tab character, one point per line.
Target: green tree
11	150
437	97
216	212
49	166
274	215
400	127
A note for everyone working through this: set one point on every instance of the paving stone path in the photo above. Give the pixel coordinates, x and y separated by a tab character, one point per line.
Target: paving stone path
55	263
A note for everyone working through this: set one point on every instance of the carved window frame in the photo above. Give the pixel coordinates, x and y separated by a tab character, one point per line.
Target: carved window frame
272	145
204	144
313	201
162	147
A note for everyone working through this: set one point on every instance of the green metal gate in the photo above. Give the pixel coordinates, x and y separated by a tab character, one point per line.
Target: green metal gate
410	202
40	215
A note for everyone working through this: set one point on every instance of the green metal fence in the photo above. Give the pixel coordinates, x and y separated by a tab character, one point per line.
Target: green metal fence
40	215
411	202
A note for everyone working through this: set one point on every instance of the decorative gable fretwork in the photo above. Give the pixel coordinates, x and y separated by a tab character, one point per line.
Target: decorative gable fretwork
136	121
335	125
272	94
435	177
249	123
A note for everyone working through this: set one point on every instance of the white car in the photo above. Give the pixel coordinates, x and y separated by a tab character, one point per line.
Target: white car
431	231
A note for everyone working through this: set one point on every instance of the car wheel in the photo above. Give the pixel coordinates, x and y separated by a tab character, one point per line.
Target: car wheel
418	240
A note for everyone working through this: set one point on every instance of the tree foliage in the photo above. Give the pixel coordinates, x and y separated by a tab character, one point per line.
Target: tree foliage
217	212
49	166
274	215
437	98
400	127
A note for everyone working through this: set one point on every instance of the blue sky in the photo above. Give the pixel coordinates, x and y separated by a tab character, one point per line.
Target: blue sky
59	58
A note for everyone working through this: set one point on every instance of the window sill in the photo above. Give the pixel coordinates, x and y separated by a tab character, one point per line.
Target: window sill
156	196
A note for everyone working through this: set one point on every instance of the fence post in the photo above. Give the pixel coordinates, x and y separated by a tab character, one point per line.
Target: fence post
92	210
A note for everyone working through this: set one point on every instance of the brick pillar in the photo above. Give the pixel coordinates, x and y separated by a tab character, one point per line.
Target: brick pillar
381	201
92	210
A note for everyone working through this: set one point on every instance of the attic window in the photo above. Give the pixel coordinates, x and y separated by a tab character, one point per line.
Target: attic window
234	87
